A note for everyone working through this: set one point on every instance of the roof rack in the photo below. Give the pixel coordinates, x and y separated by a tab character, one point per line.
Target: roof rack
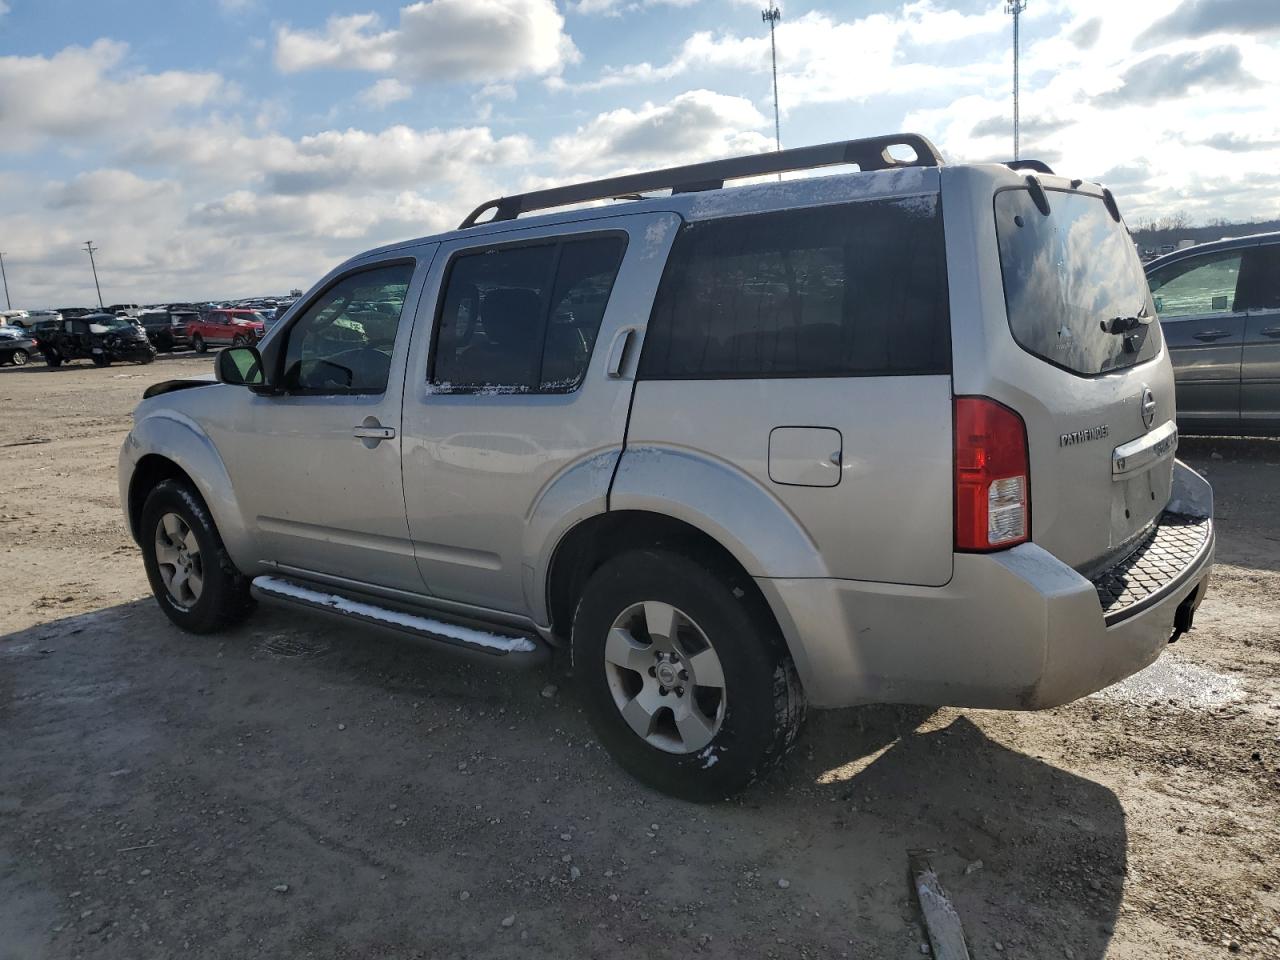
870	153
1039	166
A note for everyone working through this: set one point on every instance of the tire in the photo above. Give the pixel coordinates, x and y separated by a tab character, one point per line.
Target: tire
148	358
239	341
198	344
752	709
53	359
164	343
221	597
101	360
19	358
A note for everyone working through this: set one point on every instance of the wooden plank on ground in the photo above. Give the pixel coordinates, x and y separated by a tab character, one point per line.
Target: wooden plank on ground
941	921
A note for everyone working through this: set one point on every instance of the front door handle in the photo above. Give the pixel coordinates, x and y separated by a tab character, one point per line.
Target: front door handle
371	432
1270	331
1208	336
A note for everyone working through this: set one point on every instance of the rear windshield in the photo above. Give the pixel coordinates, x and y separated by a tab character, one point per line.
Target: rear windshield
1069	279
836	291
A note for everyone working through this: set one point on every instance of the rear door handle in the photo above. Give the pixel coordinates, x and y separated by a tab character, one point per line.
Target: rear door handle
1207	336
618	352
374	433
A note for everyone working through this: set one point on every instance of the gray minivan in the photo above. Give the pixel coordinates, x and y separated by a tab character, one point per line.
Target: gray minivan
905	434
1219	305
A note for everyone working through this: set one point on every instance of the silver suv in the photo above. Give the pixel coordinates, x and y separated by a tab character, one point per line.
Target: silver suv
905	434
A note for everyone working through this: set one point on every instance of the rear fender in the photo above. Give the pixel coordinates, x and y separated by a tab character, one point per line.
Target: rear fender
721	501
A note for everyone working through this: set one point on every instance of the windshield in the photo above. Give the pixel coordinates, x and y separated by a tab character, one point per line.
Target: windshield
1074	288
114	323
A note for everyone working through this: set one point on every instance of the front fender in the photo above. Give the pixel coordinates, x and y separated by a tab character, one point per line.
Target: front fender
721	501
177	437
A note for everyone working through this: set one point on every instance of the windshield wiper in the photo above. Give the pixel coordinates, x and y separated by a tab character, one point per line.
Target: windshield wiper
1119	325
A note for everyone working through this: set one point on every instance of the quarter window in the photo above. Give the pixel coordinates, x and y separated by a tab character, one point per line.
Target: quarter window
343	343
1198	287
845	290
524	319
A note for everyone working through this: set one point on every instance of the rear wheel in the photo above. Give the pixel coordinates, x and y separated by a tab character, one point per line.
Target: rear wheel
164	343
53	358
19	358
192	576
197	343
684	675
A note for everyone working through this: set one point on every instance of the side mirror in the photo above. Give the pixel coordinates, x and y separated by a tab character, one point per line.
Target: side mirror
240	366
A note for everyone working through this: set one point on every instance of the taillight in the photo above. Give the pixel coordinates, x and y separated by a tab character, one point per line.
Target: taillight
993	476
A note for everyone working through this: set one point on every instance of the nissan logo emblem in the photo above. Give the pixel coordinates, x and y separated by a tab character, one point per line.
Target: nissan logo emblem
1148	405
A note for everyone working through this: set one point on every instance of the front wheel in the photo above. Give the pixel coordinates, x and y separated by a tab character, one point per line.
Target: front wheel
684	675
101	360
53	358
192	576
198	344
239	341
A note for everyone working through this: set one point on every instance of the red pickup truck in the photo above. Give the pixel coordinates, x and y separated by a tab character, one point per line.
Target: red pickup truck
226	328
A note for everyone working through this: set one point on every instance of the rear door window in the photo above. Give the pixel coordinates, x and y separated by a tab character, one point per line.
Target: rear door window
844	290
1198	286
524	319
1260	279
1067	277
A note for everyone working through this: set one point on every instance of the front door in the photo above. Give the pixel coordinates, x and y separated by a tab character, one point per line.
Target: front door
317	469
518	399
1204	330
1260	363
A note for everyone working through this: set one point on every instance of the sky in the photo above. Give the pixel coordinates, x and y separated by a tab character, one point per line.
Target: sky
228	148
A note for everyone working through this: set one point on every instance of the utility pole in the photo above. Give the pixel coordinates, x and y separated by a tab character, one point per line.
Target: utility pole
771	16
1015	7
88	245
6	282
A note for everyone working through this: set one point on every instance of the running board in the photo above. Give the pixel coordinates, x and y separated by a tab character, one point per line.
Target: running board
508	648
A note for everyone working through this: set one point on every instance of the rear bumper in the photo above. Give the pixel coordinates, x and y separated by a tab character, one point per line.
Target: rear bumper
1017	629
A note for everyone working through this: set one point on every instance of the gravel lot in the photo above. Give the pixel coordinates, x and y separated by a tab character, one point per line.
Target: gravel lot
296	789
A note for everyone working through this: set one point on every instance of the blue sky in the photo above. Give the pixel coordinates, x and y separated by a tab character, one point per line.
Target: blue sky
231	147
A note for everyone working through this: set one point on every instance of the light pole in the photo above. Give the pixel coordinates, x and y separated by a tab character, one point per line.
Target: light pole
771	16
1015	7
5	276
88	245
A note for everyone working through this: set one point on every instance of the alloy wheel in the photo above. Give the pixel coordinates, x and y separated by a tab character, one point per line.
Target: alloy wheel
178	558
665	677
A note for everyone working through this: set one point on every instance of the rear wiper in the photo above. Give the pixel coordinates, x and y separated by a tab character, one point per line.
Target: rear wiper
1119	325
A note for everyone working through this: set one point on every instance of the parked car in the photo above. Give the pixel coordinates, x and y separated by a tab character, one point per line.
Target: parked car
731	449
16	346
167	328
1219	305
12	318
226	328
70	313
100	337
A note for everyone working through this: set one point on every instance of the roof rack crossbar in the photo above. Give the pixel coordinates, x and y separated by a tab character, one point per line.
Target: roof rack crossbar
870	153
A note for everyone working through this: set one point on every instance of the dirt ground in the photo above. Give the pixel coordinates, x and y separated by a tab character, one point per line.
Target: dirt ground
297	789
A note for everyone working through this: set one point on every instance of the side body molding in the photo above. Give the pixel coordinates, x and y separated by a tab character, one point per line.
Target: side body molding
721	501
175	436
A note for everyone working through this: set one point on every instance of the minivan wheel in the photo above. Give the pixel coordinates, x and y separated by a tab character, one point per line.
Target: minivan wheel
683	675
192	576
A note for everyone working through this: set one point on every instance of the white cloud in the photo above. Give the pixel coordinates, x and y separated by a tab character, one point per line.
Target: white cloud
617	7
90	92
100	188
385	92
438	40
697	125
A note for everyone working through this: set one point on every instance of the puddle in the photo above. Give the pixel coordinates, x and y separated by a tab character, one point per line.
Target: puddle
1177	683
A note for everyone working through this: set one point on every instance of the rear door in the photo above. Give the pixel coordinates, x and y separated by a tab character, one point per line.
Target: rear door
1198	301
1063	331
517	391
1260	361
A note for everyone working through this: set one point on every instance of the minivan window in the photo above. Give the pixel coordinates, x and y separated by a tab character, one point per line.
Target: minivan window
1067	276
1260	279
524	319
844	290
1197	287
